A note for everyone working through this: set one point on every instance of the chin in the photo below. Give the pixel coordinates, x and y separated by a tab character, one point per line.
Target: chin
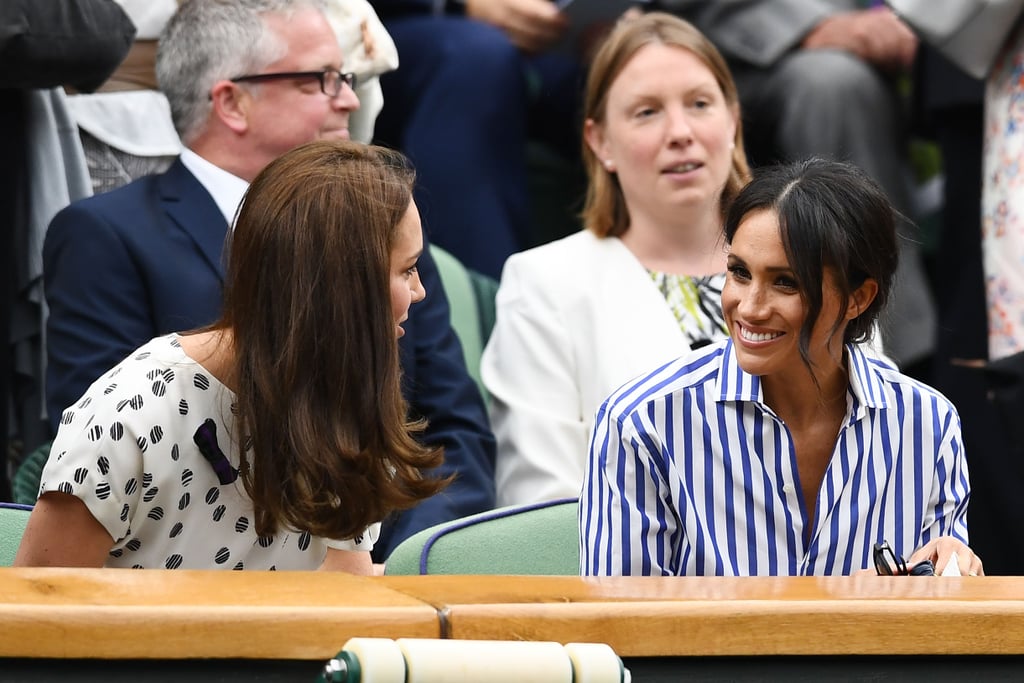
340	134
752	363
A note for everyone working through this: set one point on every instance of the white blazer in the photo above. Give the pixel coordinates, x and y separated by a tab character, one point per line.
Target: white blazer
576	319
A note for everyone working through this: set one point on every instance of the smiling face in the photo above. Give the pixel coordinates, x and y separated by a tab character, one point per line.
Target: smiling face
765	311
667	134
406	288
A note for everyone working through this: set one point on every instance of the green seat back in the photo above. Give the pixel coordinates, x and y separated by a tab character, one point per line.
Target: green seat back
30	471
13	518
538	539
471	300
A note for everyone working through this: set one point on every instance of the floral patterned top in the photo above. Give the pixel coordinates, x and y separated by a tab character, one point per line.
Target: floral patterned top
696	303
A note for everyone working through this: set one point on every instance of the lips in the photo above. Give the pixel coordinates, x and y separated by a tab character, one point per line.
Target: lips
337	134
683	167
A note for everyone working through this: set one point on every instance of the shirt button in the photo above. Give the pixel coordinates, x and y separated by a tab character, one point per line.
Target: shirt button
788	488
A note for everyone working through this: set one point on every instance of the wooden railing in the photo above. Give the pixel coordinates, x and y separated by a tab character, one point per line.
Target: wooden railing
126	614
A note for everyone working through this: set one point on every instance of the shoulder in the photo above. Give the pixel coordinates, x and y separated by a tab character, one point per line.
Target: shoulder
566	254
551	269
148	382
117	209
696	372
883	385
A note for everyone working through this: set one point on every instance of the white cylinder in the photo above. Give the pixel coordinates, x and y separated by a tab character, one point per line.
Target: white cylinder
380	660
474	661
595	663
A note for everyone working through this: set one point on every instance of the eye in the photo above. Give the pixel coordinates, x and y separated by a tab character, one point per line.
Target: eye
411	271
786	282
644	112
739	272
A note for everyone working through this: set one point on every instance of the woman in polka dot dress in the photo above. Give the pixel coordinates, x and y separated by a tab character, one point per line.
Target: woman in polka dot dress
277	438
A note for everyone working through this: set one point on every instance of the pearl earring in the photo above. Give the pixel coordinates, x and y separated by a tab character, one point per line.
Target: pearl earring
609	164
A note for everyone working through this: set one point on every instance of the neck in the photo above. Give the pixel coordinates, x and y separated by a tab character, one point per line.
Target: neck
691	243
236	160
214	350
788	396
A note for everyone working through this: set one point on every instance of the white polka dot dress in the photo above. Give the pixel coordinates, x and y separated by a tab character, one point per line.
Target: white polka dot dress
151	450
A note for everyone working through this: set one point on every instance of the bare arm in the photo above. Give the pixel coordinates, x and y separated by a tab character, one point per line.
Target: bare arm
61	532
351	561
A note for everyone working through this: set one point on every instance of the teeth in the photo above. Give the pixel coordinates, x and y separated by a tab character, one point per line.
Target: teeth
758	336
684	168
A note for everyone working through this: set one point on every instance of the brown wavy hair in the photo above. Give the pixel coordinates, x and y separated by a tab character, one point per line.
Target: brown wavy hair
315	357
604	211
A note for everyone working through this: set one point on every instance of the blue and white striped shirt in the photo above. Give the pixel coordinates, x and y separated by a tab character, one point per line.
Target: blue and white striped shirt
690	473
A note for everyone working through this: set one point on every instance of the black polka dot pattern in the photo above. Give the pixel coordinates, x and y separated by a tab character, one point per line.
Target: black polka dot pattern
127	449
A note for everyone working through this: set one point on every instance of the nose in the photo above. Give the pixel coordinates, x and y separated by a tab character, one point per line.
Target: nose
346	99
419	292
679	129
753	303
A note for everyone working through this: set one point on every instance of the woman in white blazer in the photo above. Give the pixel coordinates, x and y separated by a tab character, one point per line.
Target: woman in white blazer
640	284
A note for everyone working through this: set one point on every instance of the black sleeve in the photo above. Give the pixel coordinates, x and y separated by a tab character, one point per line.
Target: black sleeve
48	43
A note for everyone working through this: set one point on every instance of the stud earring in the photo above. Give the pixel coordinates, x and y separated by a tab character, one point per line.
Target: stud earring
609	164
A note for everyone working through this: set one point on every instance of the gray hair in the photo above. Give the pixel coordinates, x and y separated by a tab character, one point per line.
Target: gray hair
211	40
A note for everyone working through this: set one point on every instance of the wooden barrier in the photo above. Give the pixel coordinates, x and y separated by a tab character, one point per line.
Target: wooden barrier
129	614
63	621
660	616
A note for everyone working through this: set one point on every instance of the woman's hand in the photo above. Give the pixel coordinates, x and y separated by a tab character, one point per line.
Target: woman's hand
941	549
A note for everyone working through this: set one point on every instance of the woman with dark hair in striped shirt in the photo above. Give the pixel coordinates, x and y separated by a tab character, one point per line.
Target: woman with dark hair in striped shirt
789	448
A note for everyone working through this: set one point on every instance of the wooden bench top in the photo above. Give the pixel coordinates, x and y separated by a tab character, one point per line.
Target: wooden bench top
124	614
659	616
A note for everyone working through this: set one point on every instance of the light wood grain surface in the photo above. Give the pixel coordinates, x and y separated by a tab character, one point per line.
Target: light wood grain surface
121	614
659	616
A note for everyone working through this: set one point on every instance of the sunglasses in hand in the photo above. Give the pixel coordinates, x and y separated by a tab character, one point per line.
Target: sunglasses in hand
888	563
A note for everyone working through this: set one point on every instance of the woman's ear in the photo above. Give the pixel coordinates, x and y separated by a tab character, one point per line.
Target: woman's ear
231	105
861	298
593	134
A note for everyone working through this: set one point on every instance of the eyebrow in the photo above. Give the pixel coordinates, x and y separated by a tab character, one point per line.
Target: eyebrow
413	257
732	258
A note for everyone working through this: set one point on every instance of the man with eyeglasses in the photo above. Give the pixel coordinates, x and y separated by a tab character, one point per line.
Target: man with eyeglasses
247	80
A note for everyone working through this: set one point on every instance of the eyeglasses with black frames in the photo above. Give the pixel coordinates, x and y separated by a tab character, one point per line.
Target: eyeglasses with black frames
331	80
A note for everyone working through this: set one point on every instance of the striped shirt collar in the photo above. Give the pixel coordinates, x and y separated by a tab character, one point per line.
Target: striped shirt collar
734	384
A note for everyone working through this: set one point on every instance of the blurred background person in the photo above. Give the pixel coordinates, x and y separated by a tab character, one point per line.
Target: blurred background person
663	151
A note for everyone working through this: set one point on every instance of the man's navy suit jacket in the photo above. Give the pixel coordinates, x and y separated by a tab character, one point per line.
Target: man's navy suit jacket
147	259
